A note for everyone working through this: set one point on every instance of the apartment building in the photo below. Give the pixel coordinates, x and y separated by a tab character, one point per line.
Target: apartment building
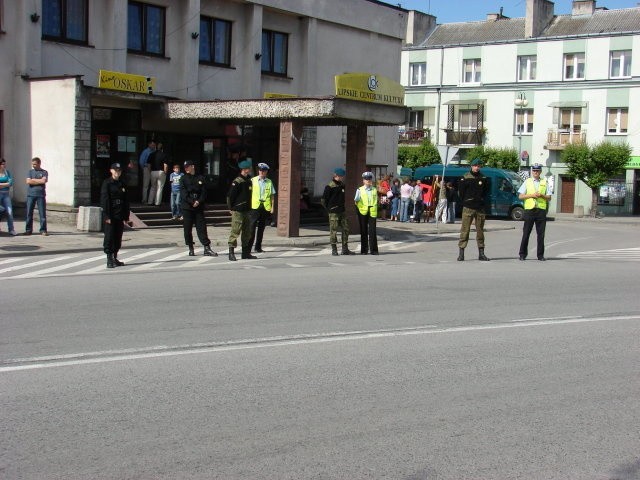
89	82
535	84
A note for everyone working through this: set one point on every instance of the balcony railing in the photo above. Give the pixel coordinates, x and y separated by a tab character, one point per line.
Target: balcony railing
414	135
461	137
557	139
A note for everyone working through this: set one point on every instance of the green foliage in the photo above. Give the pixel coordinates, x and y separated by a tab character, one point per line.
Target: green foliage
422	156
595	165
505	158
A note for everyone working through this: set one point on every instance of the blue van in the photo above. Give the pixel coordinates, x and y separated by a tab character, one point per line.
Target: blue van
503	198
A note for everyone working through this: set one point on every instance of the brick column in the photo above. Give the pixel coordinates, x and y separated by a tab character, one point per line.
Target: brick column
356	163
289	180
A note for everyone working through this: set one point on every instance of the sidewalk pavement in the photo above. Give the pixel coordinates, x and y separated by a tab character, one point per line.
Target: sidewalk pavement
64	238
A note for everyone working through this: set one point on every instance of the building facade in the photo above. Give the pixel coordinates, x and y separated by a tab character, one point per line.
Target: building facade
534	84
69	96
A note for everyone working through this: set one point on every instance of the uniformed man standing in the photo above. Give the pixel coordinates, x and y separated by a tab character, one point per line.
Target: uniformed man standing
333	201
115	210
472	189
534	191
192	198
239	202
367	209
262	201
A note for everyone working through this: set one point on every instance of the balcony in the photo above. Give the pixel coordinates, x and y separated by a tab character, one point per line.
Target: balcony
413	136
557	139
462	137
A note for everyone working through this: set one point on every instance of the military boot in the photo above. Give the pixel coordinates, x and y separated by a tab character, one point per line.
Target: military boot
117	262
246	254
334	250
232	255
481	256
191	252
461	255
110	262
208	252
346	251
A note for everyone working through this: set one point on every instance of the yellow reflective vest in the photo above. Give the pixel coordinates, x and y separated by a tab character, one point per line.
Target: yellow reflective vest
531	203
255	194
366	200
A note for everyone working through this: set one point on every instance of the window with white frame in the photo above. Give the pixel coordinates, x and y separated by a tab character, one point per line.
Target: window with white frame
574	66
524	121
468	120
527	66
570	119
471	69
416	119
418	73
617	121
620	64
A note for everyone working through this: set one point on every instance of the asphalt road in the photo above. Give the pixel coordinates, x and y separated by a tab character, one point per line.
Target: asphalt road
409	365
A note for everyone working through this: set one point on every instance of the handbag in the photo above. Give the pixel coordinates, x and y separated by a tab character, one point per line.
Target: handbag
389	194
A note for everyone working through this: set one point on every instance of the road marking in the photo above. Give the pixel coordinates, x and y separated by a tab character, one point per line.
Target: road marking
89	358
60	267
147	266
297	265
10	260
626	254
35	264
292	252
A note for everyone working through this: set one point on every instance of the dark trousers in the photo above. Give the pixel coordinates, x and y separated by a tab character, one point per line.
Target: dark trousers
195	216
113	236
537	216
41	203
258	218
368	234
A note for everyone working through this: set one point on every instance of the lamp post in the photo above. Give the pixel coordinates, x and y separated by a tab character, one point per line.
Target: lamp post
521	102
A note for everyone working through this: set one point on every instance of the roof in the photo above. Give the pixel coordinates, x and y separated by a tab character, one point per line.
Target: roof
625	20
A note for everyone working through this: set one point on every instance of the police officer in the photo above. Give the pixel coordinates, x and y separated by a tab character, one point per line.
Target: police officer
262	202
192	197
333	201
367	209
472	189
115	210
239	203
536	198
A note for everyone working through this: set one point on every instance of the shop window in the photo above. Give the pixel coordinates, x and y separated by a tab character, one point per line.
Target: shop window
65	20
527	66
613	192
620	64
524	121
275	49
471	70
574	66
617	121
418	73
215	41
145	28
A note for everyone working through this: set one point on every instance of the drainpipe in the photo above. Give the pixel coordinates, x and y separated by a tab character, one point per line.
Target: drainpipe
439	90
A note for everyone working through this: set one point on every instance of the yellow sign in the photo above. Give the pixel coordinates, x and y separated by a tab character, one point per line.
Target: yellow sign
367	87
126	82
278	95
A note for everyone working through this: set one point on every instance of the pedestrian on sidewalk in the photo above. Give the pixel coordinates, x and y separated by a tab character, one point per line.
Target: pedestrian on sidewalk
333	201
473	188
145	169
239	203
174	181
262	201
115	211
159	169
405	199
37	195
536	201
441	207
193	195
452	199
367	210
6	182
395	200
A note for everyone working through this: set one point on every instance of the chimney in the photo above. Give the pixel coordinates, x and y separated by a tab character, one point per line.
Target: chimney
419	27
583	7
496	16
539	14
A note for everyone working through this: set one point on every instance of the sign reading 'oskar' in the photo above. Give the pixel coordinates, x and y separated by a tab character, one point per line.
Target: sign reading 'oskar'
367	87
126	82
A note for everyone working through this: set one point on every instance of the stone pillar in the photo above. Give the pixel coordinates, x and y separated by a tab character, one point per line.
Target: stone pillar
356	163
290	169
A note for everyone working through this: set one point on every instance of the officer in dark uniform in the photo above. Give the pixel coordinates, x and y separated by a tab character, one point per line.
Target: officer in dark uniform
473	189
333	201
239	202
115	210
193	195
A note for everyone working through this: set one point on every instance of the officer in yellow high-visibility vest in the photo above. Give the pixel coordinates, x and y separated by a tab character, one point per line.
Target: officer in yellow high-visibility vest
367	209
536	197
262	202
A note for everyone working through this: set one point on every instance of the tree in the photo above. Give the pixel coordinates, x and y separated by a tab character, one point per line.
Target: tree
422	156
595	165
505	158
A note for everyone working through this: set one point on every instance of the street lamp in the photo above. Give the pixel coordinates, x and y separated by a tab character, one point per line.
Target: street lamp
521	102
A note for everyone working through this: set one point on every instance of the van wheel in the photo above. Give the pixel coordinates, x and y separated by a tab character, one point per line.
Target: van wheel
517	213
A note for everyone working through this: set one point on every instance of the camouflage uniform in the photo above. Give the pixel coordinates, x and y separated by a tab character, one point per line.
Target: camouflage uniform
333	201
239	202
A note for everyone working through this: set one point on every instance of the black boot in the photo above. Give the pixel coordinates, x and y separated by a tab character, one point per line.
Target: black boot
110	262
346	251
208	252
117	262
334	250
481	256
191	252
461	255
259	249
232	256
246	254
